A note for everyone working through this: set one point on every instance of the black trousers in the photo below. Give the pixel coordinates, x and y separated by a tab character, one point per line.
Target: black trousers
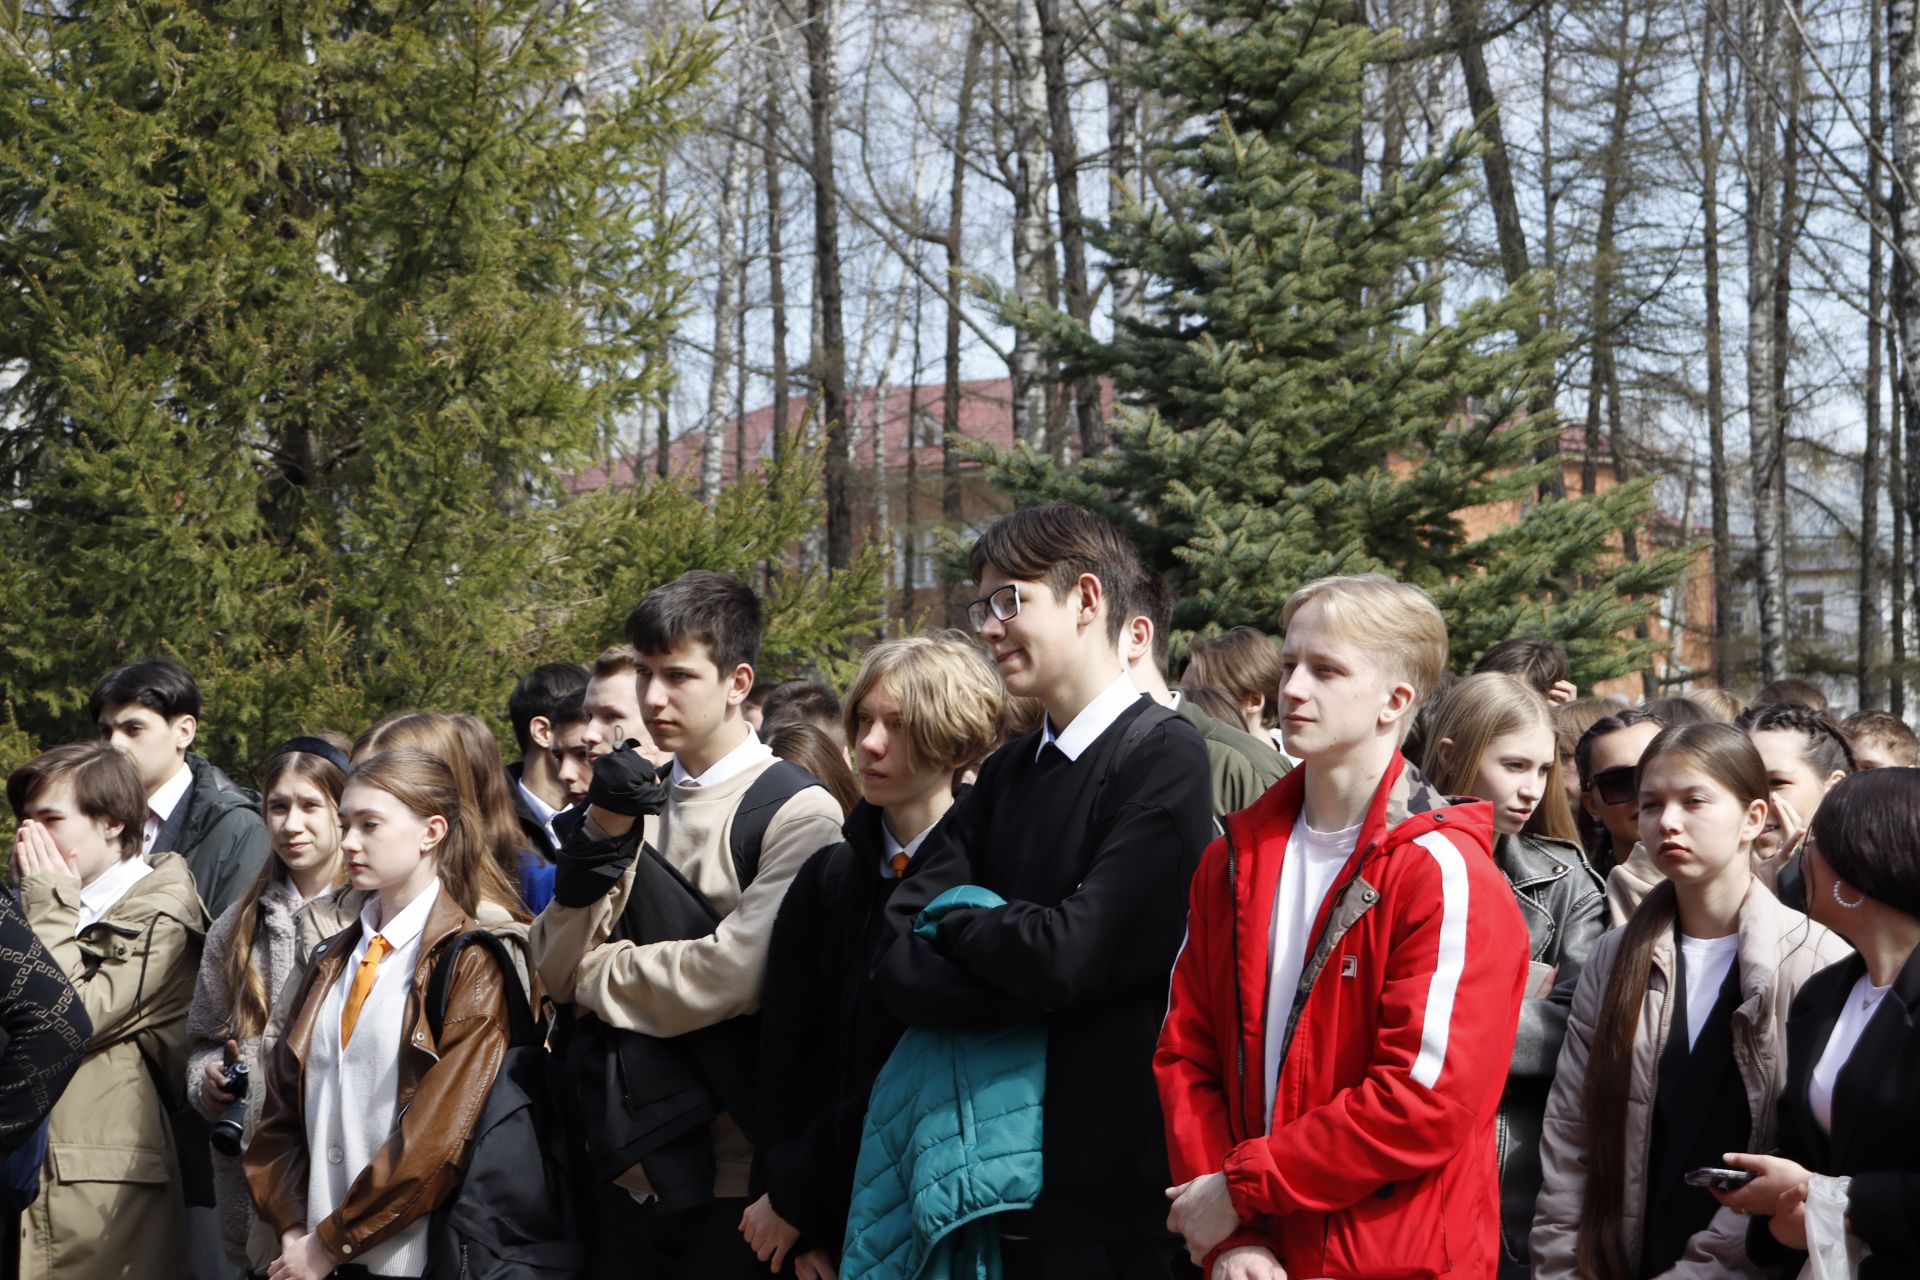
632	1240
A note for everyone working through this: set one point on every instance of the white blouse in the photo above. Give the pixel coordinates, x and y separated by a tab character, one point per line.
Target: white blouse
1862	1003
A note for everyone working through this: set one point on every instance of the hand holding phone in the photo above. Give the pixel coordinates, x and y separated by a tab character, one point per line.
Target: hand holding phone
1720	1179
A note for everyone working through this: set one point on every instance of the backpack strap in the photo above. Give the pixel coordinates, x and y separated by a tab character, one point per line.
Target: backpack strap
781	782
521	1029
1152	716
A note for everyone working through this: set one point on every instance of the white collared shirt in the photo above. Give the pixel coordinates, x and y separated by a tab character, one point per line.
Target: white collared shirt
109	887
737	761
1094	719
352	1093
162	803
889	846
541	810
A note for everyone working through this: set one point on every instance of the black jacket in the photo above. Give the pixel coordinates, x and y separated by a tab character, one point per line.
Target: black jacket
1876	1120
1093	857
218	830
1565	906
535	830
824	1032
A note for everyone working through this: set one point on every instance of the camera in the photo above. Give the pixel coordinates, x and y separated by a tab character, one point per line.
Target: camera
230	1130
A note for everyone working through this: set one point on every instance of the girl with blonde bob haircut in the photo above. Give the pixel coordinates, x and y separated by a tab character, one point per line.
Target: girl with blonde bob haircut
255	954
1492	737
921	708
1677	1037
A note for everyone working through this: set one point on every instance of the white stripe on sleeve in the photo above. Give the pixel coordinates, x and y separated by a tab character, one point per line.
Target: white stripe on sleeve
1453	957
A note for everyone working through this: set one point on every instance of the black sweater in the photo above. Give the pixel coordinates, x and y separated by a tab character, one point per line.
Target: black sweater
1093	857
44	1029
824	1033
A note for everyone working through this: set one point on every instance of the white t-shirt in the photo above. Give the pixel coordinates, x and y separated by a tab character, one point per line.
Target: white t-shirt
1707	961
1862	1003
1313	861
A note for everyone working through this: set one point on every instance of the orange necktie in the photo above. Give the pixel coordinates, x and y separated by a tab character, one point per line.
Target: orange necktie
899	863
362	987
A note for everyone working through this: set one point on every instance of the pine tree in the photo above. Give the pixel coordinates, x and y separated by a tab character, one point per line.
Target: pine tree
313	306
1285	411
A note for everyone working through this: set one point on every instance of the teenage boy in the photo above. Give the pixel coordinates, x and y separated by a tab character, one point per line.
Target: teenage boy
805	702
572	760
1342	1015
1240	765
538	795
149	711
695	641
1089	827
613	706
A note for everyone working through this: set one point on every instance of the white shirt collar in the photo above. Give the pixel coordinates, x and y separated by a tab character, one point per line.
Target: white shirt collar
1094	719
542	811
406	926
737	761
166	799
107	889
889	847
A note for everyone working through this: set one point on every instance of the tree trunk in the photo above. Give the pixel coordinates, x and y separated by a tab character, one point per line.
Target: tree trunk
1903	58
1716	370
1897	567
1768	460
830	352
726	219
910	500
1031	250
1123	111
663	444
1601	379
1089	423
1872	680
776	260
951	509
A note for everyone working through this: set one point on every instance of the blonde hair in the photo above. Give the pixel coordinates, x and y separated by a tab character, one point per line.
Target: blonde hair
1721	704
1467	720
1396	622
953	707
426	785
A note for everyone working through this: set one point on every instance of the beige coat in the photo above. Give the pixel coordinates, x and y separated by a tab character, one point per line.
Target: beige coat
109	1205
285	933
1779	950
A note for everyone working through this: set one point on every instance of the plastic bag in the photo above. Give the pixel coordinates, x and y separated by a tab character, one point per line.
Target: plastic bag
1833	1253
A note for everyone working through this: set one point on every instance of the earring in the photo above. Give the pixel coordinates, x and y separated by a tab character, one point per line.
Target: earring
1855	905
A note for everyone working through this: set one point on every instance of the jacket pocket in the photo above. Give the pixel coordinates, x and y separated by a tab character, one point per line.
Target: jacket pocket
1396	1232
80	1162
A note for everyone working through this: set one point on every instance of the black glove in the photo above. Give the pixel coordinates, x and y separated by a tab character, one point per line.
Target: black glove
627	783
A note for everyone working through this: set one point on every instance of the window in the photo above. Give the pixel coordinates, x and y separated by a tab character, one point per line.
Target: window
1809	614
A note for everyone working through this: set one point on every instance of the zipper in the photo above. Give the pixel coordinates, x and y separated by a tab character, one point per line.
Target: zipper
1239	1009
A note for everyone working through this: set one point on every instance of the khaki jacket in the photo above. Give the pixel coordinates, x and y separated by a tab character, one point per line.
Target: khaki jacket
1779	950
444	1082
109	1204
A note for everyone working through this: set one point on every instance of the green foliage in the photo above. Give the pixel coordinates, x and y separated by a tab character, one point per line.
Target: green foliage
313	305
1285	409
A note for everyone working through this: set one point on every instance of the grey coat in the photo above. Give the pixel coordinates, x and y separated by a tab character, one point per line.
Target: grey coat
1565	906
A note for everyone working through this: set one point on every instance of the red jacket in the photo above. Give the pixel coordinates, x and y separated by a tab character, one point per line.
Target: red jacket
1380	1161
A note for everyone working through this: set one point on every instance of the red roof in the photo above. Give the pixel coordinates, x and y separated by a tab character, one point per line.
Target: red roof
986	413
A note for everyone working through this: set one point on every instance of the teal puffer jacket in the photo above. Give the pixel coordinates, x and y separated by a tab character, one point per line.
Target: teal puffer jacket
952	1137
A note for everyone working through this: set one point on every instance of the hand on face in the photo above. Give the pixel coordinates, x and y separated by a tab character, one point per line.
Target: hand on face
35	853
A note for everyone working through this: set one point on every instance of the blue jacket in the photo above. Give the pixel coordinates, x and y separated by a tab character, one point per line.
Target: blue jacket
952	1136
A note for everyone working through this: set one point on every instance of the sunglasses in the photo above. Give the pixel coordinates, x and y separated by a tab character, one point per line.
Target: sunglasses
1615	785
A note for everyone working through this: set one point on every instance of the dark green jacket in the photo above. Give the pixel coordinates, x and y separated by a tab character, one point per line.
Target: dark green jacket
1240	766
222	838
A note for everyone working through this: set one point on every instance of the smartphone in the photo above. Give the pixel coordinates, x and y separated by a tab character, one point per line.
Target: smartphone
1721	1179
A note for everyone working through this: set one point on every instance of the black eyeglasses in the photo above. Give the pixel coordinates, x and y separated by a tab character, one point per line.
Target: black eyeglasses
1005	604
1615	785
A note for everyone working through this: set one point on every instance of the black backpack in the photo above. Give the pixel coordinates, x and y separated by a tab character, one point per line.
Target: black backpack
519	1211
648	1101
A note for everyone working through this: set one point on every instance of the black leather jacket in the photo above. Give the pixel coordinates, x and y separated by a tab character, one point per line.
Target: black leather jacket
1565	906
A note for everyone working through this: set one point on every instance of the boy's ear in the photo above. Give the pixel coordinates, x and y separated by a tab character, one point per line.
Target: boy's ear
739	684
1139	638
184	728
1091	594
540	730
1399	703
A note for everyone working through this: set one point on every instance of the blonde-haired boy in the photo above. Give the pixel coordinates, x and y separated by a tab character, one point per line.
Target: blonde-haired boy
920	708
1343	1014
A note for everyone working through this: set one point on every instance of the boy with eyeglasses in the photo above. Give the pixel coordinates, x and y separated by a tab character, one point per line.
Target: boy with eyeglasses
1090	828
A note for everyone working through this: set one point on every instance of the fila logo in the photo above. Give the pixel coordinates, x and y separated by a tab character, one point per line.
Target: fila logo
1349	966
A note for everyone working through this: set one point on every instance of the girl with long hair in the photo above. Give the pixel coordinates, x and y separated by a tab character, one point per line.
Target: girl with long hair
255	953
468	747
1677	1029
1492	738
369	1112
1806	754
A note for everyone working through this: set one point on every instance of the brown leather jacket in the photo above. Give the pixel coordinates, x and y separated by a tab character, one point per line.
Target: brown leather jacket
443	1085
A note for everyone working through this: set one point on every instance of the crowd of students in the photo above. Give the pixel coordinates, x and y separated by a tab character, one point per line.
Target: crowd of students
1014	961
